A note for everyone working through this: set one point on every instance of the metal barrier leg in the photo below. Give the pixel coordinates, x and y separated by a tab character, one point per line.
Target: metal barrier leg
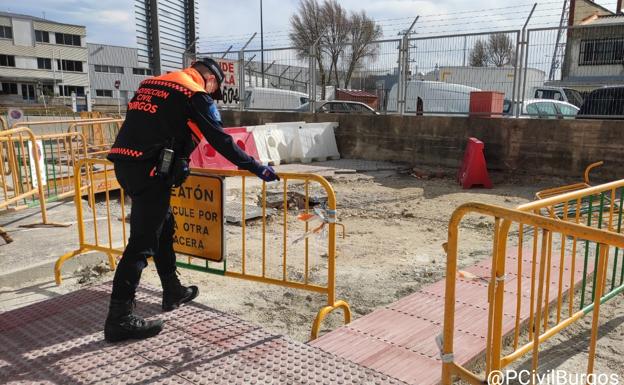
111	261
7	238
61	260
316	326
47	224
601	273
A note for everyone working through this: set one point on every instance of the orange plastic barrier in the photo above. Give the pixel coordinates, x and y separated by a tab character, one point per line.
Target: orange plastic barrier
473	170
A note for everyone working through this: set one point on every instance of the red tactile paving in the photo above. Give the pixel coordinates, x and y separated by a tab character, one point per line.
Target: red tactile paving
60	341
399	339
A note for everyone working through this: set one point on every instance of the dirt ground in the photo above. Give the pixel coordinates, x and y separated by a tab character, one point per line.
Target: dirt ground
396	222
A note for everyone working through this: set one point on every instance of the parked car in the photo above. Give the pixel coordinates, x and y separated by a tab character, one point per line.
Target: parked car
603	103
339	106
273	99
563	94
429	97
549	109
542	108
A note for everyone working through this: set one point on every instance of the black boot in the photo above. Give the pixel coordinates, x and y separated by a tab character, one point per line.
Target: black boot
174	294
121	324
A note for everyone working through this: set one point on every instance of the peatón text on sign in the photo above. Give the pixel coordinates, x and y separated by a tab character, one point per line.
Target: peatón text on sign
197	193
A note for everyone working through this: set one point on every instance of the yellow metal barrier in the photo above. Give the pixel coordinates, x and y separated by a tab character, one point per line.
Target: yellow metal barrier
3	124
592	231
65	123
83	139
100	135
296	262
61	152
568	188
15	161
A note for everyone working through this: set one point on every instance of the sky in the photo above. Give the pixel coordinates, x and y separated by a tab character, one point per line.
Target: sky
222	24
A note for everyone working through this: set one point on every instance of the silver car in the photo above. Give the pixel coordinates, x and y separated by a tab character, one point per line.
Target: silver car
339	106
543	109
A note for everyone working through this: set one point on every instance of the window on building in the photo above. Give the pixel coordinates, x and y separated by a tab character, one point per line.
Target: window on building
42	36
104	93
142	71
28	92
6	32
44	64
67	39
69	65
67	90
7	61
111	69
9	89
47	89
601	51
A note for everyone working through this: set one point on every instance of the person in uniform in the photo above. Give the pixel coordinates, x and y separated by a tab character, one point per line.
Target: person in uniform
166	119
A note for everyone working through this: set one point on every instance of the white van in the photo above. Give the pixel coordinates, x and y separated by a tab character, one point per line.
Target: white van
273	99
431	97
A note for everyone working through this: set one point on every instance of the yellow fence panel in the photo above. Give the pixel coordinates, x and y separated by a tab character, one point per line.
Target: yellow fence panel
292	244
20	171
99	135
554	236
58	153
57	126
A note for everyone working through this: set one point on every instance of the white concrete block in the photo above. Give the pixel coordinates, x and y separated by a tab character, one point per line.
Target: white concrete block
315	141
271	144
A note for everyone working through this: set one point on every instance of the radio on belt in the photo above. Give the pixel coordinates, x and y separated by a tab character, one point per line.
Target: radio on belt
165	161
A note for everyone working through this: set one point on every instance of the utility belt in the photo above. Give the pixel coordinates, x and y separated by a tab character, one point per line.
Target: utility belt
173	170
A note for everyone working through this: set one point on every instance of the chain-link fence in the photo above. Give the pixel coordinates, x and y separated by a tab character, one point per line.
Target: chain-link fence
444	70
560	72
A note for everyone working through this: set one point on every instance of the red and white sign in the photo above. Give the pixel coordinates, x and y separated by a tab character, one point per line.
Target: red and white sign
230	89
42	165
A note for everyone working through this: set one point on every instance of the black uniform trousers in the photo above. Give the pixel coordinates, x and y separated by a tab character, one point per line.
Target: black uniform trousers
151	227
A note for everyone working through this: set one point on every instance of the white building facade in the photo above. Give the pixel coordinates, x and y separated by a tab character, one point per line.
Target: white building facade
41	57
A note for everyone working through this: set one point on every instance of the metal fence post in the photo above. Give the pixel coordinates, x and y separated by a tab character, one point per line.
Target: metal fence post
404	68
402	76
312	78
241	80
524	53
517	65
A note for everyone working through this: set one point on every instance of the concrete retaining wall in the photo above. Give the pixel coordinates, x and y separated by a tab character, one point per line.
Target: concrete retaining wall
531	146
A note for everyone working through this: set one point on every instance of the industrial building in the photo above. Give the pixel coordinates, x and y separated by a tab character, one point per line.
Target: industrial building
115	73
166	31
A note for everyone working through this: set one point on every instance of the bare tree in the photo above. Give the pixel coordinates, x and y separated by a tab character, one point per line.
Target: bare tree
337	34
499	51
479	55
339	37
362	33
308	26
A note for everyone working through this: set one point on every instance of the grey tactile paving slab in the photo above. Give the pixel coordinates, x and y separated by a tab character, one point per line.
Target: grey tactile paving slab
60	341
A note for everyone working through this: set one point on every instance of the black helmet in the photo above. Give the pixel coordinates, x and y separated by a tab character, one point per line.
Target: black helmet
216	70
